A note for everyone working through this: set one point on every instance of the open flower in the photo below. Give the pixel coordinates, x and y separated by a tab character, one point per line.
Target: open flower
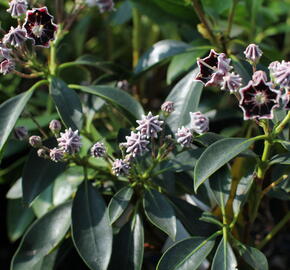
207	66
39	26
258	100
70	141
136	144
149	125
17	7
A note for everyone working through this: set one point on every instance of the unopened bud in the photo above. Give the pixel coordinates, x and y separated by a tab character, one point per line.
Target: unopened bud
21	133
55	126
35	141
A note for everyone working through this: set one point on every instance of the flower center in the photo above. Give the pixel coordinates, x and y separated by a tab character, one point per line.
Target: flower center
37	30
260	98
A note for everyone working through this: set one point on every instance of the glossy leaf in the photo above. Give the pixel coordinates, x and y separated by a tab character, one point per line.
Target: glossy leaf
128	246
119	203
185	95
10	110
18	219
281	159
67	103
117	97
37	175
224	258
220	183
43	202
66	184
159	211
159	52
243	189
182	63
254	257
15	192
91	230
217	155
187	254
42	237
209	217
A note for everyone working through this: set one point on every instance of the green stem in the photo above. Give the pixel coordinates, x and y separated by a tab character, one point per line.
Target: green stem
273	184
136	42
52	64
201	16
231	17
274	231
282	125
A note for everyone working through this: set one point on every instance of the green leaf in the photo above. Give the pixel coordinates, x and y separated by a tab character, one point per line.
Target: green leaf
67	103
281	159
224	258
15	192
190	215
43	202
119	203
187	254
122	100
220	183
185	95
217	155
66	184
182	63
210	218
243	188
42	237
159	52
159	211
37	175
122	14
10	110
254	257
128	246
18	219
91	230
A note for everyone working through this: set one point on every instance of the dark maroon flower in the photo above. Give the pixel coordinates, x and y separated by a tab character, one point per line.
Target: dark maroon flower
39	26
258	100
207	66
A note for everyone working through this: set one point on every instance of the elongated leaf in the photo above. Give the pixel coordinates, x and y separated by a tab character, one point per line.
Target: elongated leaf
91	230
18	219
117	97
254	257
128	246
182	63
43	202
159	211
187	254
281	159
243	189
10	110
119	203
37	175
160	51
217	155
185	95
15	192
42	237
224	258
68	103
220	183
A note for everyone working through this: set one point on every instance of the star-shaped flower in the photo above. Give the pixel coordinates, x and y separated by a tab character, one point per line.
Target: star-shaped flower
39	26
258	100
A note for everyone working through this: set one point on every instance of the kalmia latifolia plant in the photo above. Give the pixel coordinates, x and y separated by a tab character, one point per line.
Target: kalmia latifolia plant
112	186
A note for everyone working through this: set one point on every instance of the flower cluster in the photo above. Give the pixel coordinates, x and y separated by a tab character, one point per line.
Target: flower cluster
259	97
37	26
